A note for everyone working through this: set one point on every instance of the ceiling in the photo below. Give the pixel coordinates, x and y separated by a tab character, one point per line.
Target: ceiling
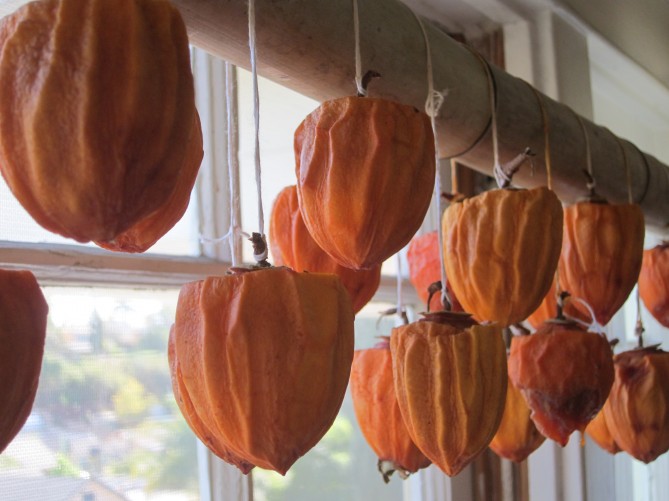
638	28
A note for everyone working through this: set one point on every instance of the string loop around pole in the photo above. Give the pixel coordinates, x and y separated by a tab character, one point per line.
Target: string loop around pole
546	130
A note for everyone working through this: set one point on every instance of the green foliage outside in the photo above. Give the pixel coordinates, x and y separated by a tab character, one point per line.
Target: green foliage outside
64	468
118	382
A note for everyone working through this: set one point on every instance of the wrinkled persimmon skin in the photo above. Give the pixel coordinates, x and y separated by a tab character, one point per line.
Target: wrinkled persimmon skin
501	250
365	172
98	140
148	230
264	358
190	413
377	410
638	406
292	245
517	436
451	386
23	313
565	374
654	282
602	250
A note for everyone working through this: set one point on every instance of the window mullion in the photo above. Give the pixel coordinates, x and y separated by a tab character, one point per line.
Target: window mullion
219	481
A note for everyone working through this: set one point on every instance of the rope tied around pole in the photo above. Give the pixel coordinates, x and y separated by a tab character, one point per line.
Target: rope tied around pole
546	130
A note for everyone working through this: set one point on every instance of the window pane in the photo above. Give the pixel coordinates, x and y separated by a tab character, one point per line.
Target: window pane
18	226
104	422
342	465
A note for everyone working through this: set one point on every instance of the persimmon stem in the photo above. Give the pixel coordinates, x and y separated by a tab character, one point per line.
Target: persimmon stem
259	250
562	297
638	331
504	172
445	298
393	311
366	79
591	185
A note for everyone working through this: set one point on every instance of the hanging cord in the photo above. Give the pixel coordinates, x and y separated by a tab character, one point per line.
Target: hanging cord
500	176
233	165
594	325
433	103
258	239
588	153
642	197
628	173
401	313
503	172
546	129
639	329
549	172
455	181
362	89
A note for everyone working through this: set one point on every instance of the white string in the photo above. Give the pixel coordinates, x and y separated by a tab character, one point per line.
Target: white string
358	63
435	100
593	326
256	113
499	173
233	168
400	295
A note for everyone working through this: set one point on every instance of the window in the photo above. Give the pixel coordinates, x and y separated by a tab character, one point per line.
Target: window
104	411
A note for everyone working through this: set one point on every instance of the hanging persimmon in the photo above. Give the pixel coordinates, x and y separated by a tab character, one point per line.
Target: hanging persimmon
600	432
378	413
425	270
565	374
292	245
262	360
450	381
23	311
517	436
99	139
365	174
501	250
601	256
638	407
654	282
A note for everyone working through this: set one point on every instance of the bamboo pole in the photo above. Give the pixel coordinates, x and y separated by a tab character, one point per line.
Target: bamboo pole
307	45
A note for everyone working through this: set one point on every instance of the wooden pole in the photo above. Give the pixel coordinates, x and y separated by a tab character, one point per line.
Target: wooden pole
308	45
